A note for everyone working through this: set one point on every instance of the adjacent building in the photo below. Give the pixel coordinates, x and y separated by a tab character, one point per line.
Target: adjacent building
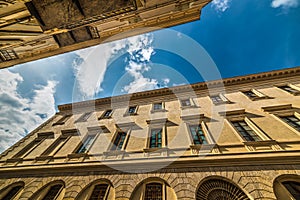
236	138
34	29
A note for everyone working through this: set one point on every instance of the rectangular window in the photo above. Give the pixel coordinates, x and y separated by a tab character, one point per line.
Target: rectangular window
218	99
6	55
107	114
156	138
86	145
158	106
132	110
55	146
154	191
84	117
250	94
246	131
62	120
30	147
185	102
198	134
119	141
289	89
293	121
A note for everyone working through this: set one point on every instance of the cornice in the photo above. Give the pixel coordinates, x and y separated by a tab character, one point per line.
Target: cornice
272	75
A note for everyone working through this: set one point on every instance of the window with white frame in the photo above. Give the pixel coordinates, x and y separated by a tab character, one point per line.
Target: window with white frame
155	138
244	126
287	114
292	120
62	120
185	102
132	110
292	89
247	133
254	94
197	129
86	144
197	134
158	106
120	139
219	99
157	133
84	117
35	143
60	142
107	114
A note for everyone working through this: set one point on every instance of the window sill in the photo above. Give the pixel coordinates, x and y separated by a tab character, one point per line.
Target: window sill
223	102
99	118
189	107
114	152
77	155
129	114
156	149
161	110
259	98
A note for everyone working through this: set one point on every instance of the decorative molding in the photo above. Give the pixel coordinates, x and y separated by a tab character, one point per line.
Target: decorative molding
185	88
277	108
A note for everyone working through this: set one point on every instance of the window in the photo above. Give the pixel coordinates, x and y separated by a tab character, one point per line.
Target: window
6	55
62	120
99	192
53	192
106	114
158	106
60	142
293	188
290	89
132	110
86	145
13	193
32	145
154	191
119	141
84	117
219	189
219	99
292	120
254	94
197	134
246	131
185	102
156	138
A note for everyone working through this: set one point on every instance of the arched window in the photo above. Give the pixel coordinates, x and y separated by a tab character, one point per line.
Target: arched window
218	189
97	190
153	189
52	191
12	191
287	187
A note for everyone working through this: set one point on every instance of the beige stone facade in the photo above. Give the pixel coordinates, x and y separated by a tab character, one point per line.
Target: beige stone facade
246	145
34	29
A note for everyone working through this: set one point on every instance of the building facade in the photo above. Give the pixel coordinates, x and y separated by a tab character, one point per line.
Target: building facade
236	138
34	29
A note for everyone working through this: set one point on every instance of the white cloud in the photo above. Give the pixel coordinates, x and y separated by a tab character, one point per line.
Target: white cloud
285	3
90	73
221	5
19	115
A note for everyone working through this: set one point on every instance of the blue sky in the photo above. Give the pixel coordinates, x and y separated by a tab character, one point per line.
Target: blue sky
233	37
